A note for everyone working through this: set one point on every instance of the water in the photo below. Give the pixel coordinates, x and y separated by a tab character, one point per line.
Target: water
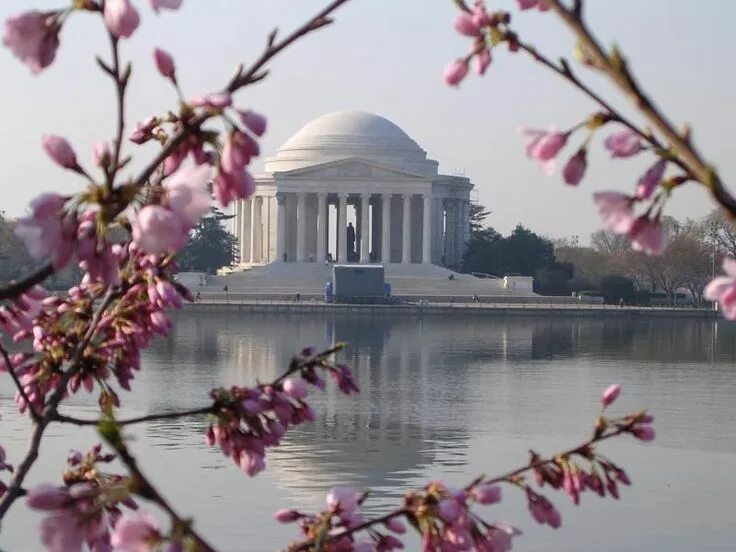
443	397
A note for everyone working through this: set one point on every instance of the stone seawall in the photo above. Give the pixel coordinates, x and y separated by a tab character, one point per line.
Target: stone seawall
457	309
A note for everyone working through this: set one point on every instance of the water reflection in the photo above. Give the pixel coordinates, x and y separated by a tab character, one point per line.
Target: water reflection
441	397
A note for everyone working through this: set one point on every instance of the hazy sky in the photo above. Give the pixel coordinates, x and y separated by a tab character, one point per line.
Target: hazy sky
386	57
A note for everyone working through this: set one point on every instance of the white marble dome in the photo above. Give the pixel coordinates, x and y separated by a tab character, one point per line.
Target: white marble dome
345	134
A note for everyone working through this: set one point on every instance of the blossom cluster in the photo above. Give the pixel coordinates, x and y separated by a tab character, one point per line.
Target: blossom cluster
56	325
249	420
447	518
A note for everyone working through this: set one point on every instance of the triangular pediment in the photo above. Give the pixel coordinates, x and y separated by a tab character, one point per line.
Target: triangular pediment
350	168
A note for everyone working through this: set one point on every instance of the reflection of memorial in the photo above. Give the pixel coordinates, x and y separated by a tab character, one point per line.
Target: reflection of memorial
428	384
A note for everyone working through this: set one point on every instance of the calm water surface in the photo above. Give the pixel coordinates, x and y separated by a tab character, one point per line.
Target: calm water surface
441	398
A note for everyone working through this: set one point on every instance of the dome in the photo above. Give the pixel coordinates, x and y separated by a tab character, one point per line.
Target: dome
345	134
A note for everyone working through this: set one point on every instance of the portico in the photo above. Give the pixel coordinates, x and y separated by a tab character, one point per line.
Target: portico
353	175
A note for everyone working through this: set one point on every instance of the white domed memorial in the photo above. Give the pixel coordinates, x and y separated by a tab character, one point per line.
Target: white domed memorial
352	187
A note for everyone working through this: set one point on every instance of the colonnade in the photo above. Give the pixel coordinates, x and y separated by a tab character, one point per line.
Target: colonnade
389	228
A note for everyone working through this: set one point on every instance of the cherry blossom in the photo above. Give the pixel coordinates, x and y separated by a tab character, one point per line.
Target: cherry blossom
33	37
723	289
624	144
121	17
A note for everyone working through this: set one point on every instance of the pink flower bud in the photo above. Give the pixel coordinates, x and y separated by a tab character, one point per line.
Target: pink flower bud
102	154
121	18
448	510
466	25
60	151
165	64
47	497
486	493
255	122
456	72
344	499
287	515
623	144
164	4
651	179
610	394
33	38
295	388
482	61
575	168
648	235
644	433
395	525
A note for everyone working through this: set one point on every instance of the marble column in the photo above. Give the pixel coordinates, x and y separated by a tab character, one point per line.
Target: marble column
254	228
321	227
406	245
450	227
466	223
245	231
459	247
301	221
265	229
281	229
365	228
386	229
342	228
427	229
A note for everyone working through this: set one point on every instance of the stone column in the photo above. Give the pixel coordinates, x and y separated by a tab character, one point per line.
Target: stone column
245	231
427	230
253	228
342	227
281	229
321	227
450	227
265	229
386	229
406	246
459	233
466	224
301	221
364	228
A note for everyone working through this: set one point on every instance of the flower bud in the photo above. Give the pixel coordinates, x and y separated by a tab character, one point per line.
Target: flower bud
610	394
456	72
60	151
165	64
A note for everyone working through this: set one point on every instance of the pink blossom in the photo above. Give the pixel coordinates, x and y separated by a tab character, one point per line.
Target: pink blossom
343	500
610	394
233	181
723	289
647	235
121	17
623	144
544	145
255	122
165	4
466	24
616	210
651	179
102	154
187	194
295	388
143	130
165	64
45	234
139	533
217	101
61	532
644	432
395	525
60	151
158	230
480	15
486	493
575	168
287	515
482	61
456	72
541	5
448	509
33	37
47	497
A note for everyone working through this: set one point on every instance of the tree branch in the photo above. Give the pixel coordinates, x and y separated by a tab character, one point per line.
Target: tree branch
61	418
16	381
614	66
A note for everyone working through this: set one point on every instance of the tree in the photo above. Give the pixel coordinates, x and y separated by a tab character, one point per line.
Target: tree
478	214
14	258
719	227
210	246
609	243
614	288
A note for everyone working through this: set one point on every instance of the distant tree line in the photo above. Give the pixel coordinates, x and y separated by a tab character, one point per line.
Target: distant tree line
609	266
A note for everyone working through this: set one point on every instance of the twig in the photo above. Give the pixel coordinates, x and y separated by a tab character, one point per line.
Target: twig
304	545
34	278
61	418
15	487
18	384
121	82
614	66
145	489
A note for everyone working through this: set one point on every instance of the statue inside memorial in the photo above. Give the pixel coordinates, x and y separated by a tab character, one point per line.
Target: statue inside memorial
351	242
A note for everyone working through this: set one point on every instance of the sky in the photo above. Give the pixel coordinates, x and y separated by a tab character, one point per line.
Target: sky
387	57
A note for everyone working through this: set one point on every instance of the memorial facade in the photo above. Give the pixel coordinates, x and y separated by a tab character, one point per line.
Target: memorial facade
353	187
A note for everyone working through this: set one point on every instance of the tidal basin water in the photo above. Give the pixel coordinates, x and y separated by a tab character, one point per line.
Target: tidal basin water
442	397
